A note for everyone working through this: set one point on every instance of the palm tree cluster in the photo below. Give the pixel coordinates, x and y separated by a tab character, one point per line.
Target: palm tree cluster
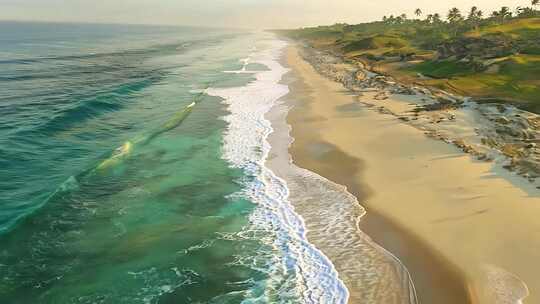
395	20
503	14
474	17
454	15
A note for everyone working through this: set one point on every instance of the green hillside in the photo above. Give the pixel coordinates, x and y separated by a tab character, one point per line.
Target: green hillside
496	59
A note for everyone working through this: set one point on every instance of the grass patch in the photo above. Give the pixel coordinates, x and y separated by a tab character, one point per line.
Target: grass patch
376	42
442	69
513	26
517	81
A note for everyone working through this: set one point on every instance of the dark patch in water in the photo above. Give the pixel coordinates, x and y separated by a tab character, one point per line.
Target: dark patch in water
257	67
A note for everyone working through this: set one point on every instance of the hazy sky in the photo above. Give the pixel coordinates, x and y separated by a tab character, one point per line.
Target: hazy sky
230	13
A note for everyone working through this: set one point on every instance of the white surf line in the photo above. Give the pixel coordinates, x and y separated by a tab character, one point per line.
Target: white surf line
246	147
331	207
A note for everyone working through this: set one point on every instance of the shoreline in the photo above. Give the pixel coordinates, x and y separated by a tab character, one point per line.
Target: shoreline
296	264
432	223
492	132
369	222
363	265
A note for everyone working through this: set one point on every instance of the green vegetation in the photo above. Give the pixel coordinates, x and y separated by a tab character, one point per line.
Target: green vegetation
495	58
442	69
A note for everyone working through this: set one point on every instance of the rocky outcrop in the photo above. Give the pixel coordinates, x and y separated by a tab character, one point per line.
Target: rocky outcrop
470	48
504	130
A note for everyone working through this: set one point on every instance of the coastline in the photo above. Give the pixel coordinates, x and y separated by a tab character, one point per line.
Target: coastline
491	132
414	211
298	271
445	276
331	214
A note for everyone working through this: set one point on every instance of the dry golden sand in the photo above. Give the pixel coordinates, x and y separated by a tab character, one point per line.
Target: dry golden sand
466	233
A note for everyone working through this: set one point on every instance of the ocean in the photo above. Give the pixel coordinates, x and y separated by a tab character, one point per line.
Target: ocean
132	170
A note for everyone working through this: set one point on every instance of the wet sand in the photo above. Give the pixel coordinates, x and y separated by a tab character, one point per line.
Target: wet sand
468	233
372	275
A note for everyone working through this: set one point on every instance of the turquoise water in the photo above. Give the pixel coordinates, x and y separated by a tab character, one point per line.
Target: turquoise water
123	181
145	228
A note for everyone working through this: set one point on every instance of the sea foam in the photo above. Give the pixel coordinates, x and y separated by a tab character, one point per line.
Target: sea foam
297	267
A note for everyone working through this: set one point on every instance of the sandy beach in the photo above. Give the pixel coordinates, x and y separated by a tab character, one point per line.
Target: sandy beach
466	231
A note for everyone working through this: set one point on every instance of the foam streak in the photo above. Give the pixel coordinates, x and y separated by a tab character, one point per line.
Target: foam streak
314	278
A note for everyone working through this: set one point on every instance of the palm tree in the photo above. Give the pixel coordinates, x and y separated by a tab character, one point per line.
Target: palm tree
403	16
418	12
436	18
429	18
454	15
525	12
472	13
475	15
535	2
455	18
504	13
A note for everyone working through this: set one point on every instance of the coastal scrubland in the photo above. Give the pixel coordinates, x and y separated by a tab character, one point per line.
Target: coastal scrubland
491	59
